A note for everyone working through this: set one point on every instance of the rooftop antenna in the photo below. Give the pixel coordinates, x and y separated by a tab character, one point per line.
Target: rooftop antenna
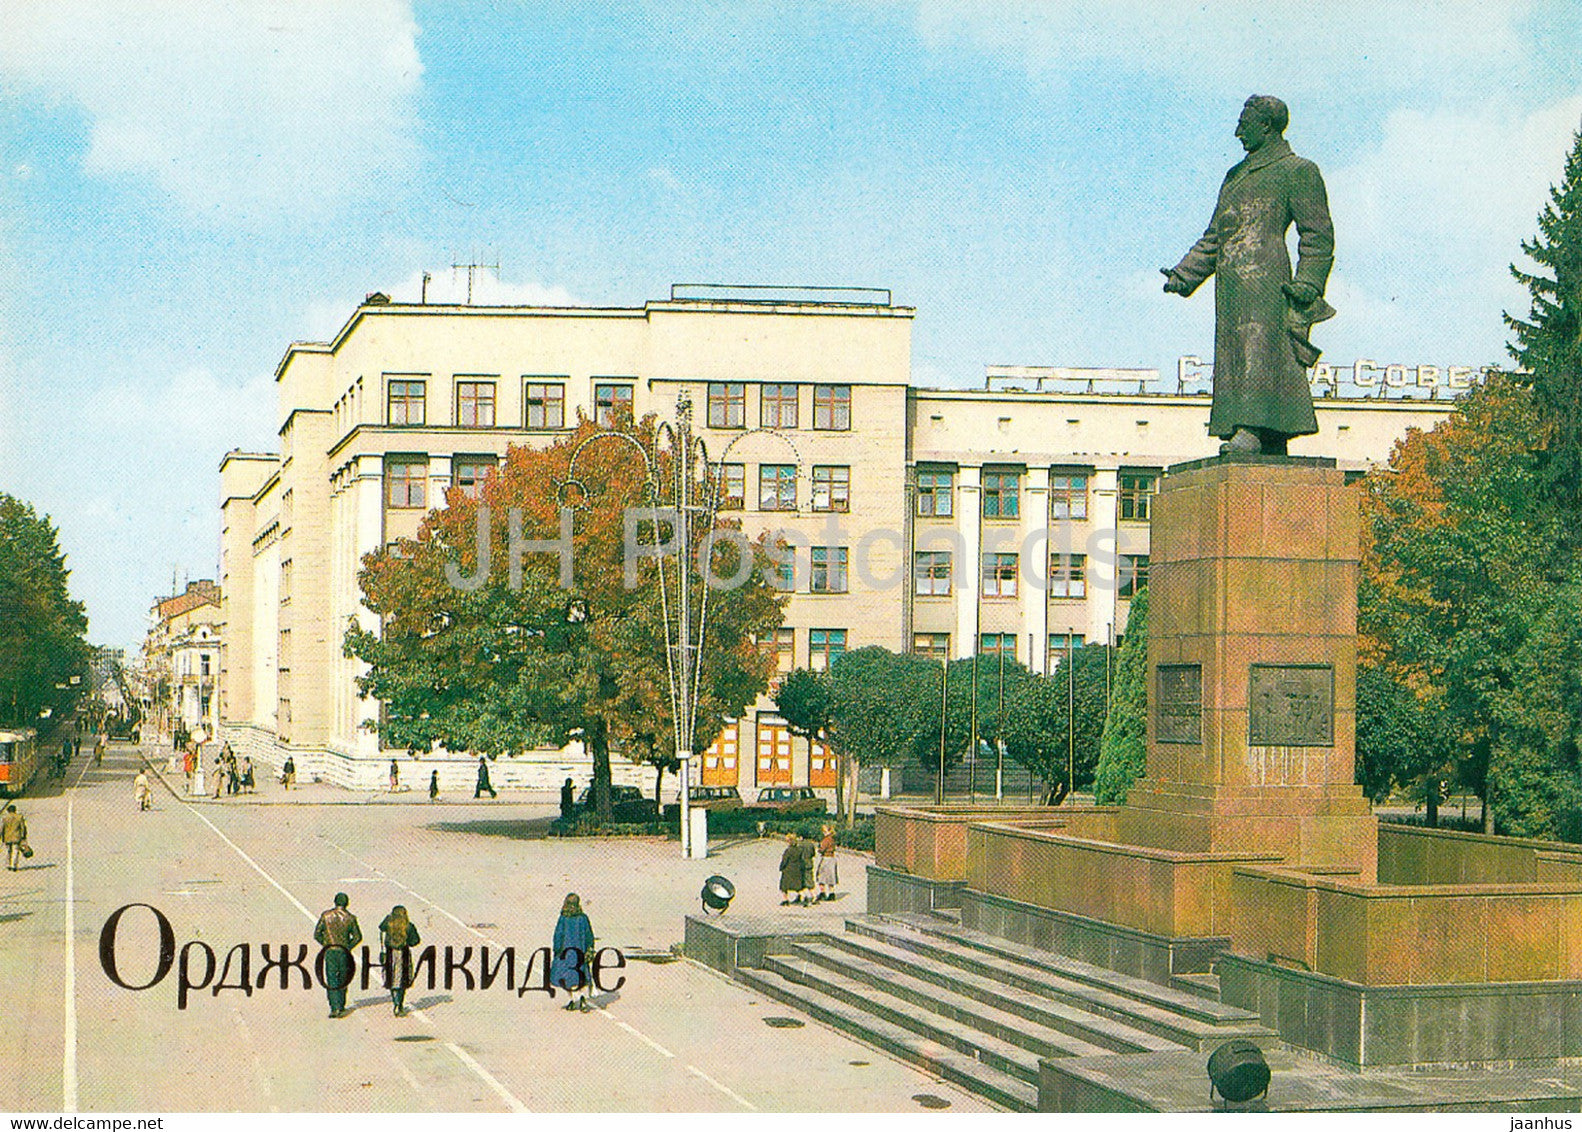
472	269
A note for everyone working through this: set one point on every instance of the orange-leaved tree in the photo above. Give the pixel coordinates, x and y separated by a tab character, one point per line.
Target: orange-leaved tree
496	657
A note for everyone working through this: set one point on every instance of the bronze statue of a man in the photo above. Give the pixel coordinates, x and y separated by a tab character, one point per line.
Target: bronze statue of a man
1262	311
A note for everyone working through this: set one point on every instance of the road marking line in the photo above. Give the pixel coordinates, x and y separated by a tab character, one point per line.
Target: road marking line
68	1067
737	1097
259	869
461	1055
417	1086
635	1032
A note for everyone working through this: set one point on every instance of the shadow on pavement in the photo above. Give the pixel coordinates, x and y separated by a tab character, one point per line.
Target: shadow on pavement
533	829
11	916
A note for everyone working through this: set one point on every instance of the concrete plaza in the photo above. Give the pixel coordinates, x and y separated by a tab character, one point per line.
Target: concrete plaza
257	869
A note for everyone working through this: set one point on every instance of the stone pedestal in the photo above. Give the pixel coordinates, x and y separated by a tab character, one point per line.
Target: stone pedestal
1252	666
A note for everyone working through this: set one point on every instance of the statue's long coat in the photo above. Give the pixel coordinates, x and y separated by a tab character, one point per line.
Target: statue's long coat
1259	382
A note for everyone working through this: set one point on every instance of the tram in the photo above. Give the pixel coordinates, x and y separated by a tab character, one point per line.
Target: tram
18	761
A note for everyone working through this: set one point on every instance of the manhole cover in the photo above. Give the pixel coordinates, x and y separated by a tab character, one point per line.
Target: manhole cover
929	1100
780	1023
414	1038
480	927
858	1063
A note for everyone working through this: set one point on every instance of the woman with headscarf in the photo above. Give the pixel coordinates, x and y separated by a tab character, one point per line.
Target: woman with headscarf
572	953
398	935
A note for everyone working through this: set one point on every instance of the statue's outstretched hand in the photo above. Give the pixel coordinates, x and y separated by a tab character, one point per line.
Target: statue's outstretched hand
1302	294
1174	284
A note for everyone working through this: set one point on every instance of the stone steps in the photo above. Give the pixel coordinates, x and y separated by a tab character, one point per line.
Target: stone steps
953	1065
920	998
1103	1035
949	952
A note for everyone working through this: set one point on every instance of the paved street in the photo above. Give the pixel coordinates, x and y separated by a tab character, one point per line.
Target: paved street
676	1037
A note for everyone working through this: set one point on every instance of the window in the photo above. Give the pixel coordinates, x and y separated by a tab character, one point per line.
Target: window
546	404
783	576
781	644
777	406
1136	493
406	478
732	484
1068	575
998	644
933	494
1068	496
1131	575
203	664
468	472
824	647
832	407
1062	643
611	403
831	487
406	403
1000	494
727	404
475	404
935	646
931	573
829	570
777	487
999	575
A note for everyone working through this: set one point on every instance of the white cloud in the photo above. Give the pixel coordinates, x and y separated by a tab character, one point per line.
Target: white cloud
235	110
1234	44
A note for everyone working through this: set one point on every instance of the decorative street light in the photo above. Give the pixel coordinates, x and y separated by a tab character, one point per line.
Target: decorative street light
684	640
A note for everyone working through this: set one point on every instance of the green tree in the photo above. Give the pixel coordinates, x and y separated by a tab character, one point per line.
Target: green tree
1038	720
1400	739
1123	752
482	661
1463	560
1548	343
42	630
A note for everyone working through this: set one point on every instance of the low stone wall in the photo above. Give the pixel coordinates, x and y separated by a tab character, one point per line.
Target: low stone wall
1413	855
1159	891
1408	935
537	773
890	890
931	841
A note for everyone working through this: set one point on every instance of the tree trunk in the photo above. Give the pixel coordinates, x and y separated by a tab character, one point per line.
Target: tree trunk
659	785
840	786
1488	810
597	737
851	810
1431	801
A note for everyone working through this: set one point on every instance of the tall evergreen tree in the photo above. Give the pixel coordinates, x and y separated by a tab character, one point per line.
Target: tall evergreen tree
1548	341
1123	752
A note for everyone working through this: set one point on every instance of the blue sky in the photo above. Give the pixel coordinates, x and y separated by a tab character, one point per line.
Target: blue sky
185	188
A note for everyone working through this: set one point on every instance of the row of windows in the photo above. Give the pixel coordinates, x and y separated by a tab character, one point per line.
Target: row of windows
406	479
936	646
777	487
544	404
778	405
824	645
1001	494
1068	574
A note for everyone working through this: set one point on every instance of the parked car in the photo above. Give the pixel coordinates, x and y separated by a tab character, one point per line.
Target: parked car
790	802
715	797
627	803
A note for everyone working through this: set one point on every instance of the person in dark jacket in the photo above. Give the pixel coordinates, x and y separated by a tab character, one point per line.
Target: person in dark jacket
398	936
572	953
337	932
568	800
433	786
790	871
807	853
483	779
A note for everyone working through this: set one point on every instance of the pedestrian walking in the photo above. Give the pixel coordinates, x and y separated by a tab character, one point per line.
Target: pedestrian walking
568	800
13	834
288	773
395	776
336	933
790	870
828	875
219	776
398	936
249	783
142	793
189	763
483	779
572	952
98	750
433	786
807	852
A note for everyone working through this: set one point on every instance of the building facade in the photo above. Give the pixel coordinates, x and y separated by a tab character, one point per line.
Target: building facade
1012	517
181	661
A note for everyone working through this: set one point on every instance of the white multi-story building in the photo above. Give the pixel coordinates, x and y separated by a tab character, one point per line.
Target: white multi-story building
1012	517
